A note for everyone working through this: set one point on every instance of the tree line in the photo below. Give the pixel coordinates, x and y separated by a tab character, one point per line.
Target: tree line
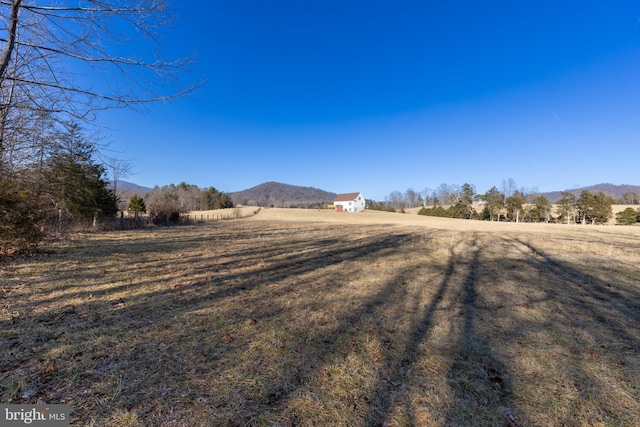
52	170
169	201
60	181
510	203
55	181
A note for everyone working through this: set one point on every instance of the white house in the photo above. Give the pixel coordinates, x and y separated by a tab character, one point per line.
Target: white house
349	202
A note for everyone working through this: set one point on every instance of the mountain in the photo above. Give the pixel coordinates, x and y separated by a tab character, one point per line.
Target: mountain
281	195
613	190
124	185
126	190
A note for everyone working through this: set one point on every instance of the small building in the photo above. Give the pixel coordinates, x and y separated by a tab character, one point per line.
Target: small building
349	202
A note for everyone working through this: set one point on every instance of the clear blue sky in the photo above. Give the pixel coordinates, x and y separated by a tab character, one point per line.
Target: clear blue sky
377	96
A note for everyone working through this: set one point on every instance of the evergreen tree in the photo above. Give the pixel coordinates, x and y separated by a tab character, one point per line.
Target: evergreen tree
541	210
628	216
567	206
461	210
435	211
514	204
137	205
214	199
586	204
467	194
494	200
464	207
594	208
604	208
485	214
19	218
74	181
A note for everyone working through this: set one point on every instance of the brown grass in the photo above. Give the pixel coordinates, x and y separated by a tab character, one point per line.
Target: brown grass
307	318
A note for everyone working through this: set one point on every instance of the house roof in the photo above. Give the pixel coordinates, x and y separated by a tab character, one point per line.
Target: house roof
347	197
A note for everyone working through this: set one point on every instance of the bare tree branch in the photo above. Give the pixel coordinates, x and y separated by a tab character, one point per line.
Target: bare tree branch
11	41
72	59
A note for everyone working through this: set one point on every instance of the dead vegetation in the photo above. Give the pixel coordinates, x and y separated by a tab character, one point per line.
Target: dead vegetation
336	320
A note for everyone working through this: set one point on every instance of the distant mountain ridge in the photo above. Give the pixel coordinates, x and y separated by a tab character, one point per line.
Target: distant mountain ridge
125	190
281	195
613	190
125	185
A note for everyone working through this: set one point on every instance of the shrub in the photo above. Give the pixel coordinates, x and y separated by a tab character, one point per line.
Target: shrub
628	216
19	231
435	211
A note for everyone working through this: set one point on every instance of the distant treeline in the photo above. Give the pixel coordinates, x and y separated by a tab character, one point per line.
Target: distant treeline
173	200
510	203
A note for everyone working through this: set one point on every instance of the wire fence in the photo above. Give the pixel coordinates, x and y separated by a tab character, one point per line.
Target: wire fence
62	224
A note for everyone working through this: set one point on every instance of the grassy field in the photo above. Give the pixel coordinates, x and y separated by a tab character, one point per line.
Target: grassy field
308	318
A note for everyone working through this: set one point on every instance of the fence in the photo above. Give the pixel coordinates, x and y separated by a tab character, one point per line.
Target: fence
62	224
191	218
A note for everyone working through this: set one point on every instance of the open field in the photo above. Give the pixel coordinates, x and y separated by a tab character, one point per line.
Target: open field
308	318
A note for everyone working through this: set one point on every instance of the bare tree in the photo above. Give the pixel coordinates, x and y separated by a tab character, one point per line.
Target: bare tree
508	187
529	193
567	206
47	48
630	198
411	197
119	169
427	196
448	194
395	200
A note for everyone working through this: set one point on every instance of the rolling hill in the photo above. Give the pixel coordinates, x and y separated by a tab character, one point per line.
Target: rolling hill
613	190
284	195
125	185
281	195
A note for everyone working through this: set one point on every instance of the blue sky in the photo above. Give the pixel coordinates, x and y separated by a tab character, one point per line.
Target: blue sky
377	96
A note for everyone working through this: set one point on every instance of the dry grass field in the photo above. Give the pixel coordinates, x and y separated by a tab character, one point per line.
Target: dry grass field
309	318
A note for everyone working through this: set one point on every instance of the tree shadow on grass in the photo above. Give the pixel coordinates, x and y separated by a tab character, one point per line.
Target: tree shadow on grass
600	322
328	347
131	340
217	273
481	385
586	292
577	333
162	352
386	387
